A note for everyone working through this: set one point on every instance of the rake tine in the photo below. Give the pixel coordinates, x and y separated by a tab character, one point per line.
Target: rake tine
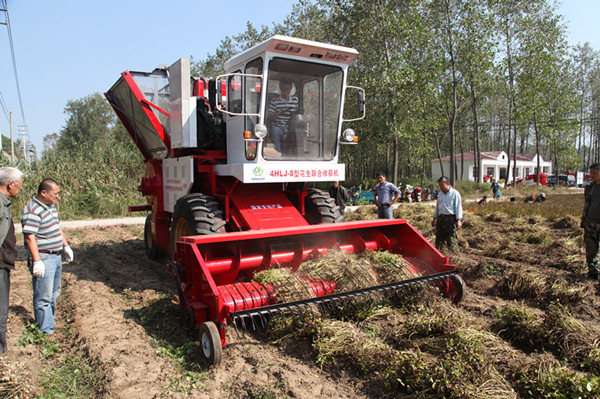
235	325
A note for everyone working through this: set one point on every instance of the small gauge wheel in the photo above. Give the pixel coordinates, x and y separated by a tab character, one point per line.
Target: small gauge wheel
455	288
210	343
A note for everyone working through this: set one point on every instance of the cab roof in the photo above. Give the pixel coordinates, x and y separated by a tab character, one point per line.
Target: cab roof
292	46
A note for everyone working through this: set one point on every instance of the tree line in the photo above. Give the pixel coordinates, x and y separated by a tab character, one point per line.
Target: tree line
443	77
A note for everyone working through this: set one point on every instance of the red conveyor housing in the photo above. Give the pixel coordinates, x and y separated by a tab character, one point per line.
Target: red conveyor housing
215	282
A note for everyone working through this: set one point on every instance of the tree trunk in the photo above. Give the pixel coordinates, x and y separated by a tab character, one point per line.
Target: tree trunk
537	150
439	153
508	155
396	160
514	181
462	156
477	160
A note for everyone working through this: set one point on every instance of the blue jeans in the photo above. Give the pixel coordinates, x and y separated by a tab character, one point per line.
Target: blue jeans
278	133
385	212
45	292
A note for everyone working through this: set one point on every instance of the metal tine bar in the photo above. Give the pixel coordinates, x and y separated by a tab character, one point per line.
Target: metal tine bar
263	320
243	322
346	297
428	267
320	281
299	310
304	283
235	325
241	294
363	277
293	287
270	290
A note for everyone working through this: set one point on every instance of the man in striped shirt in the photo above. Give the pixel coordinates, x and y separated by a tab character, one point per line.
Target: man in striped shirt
45	242
280	112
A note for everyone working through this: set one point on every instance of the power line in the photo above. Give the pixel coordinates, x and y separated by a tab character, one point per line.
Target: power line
3	103
14	58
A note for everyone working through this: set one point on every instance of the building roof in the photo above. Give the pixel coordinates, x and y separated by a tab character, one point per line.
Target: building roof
491	155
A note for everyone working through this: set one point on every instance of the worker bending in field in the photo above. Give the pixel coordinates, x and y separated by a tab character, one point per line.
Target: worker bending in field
11	181
448	214
590	222
46	243
386	194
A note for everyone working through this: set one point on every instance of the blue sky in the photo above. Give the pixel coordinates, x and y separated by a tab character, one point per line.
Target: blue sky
68	49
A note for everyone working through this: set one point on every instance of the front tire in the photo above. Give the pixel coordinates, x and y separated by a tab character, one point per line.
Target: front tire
196	214
321	208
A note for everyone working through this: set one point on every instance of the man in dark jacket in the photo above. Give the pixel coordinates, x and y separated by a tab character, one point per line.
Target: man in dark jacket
590	222
339	195
11	181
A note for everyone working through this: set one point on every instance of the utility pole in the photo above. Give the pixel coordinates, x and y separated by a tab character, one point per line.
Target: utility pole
22	135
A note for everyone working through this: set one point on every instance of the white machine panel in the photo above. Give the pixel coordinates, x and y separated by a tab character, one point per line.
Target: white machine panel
281	172
178	177
182	127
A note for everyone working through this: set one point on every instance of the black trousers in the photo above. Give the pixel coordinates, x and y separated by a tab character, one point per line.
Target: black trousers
4	290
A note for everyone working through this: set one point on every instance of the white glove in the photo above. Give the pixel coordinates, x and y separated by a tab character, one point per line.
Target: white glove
68	253
38	269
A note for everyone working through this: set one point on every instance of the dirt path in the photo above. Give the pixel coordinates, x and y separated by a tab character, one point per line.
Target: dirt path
119	311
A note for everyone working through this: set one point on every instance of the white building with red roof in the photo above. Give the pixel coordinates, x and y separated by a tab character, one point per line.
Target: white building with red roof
493	163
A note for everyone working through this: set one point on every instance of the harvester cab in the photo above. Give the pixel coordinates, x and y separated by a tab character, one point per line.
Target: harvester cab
283	105
229	162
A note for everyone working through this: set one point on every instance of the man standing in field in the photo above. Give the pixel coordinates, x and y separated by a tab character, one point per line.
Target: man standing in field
339	195
590	222
386	194
11	181
495	187
447	217
46	242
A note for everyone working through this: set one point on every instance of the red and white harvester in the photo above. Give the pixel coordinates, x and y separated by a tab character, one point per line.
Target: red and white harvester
225	203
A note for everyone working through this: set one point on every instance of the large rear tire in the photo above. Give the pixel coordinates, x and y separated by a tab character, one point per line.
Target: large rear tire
321	208
153	250
196	214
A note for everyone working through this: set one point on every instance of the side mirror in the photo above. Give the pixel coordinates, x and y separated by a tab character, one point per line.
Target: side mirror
229	93
360	106
361	102
221	99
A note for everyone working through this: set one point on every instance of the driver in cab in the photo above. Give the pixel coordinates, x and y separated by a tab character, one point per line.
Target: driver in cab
280	111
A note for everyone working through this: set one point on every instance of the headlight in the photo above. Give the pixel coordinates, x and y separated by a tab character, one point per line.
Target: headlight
349	135
260	130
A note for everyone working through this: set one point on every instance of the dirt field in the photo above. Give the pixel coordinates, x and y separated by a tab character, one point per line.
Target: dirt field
119	322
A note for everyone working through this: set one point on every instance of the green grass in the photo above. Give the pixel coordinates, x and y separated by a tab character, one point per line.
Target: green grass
33	336
98	183
555	207
74	377
551	379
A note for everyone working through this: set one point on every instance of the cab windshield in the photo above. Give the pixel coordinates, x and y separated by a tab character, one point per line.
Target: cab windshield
302	110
